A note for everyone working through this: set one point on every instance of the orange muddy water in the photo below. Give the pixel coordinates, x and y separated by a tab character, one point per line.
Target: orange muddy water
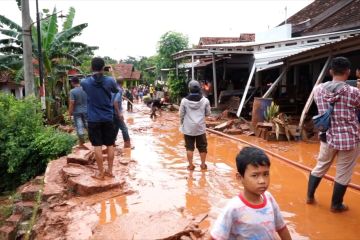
162	183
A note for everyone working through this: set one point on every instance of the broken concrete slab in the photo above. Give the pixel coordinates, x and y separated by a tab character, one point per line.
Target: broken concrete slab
54	183
84	184
72	170
224	125
173	226
233	131
81	156
8	232
244	126
24	208
13	220
212	124
30	192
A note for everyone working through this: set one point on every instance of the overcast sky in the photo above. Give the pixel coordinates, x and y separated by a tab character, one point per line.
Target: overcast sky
122	28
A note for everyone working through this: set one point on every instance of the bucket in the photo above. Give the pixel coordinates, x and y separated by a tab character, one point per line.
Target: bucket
259	107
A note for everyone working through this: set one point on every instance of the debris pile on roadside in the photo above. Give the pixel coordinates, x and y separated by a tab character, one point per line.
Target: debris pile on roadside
224	122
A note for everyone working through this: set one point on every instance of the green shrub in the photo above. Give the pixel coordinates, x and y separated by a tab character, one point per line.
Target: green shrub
26	145
177	86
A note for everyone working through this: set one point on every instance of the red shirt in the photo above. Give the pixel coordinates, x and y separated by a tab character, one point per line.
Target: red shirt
344	132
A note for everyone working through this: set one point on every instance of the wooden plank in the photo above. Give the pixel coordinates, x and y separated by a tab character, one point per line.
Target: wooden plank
246	90
214	80
311	97
269	91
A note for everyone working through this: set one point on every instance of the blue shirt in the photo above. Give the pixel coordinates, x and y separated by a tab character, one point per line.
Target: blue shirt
117	97
79	97
100	107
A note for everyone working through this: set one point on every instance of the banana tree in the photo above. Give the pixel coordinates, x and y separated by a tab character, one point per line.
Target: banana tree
59	50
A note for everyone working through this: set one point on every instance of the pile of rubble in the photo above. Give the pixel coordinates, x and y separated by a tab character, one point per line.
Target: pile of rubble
224	123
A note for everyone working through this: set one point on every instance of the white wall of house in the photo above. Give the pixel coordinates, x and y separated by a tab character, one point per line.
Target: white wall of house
17	91
278	33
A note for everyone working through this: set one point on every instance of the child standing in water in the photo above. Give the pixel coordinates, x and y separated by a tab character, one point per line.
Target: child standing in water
254	213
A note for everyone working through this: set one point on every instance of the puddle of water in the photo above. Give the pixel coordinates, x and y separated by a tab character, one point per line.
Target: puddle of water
162	183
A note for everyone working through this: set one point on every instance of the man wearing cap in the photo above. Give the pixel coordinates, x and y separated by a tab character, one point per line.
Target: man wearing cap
193	110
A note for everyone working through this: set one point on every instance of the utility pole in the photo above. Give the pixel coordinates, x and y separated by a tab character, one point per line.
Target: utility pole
27	49
41	69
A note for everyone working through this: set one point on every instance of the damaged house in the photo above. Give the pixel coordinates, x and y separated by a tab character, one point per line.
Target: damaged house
284	69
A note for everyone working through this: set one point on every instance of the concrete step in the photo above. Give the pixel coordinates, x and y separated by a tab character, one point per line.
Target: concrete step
8	232
30	192
81	156
14	220
25	209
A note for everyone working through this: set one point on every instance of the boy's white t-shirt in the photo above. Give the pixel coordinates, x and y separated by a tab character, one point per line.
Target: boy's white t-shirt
243	220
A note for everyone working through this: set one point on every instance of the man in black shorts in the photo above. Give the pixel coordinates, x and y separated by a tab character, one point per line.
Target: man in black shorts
100	114
193	110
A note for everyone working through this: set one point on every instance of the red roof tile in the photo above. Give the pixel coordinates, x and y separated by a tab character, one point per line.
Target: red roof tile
5	76
136	75
348	15
244	37
324	16
123	70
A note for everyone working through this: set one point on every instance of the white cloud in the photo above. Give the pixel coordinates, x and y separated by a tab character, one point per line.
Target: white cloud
132	28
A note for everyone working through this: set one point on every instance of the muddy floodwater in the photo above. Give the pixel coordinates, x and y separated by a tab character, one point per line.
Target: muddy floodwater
161	182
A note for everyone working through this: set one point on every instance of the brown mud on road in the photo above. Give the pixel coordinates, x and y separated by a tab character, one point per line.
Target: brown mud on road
164	198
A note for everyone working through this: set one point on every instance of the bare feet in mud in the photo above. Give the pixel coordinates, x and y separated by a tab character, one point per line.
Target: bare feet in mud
203	166
191	167
98	176
109	174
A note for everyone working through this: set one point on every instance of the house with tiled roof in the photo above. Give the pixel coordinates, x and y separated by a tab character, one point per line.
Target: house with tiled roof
325	16
8	85
127	73
244	37
286	68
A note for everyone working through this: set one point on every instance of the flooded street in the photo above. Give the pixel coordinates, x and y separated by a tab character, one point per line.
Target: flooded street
161	182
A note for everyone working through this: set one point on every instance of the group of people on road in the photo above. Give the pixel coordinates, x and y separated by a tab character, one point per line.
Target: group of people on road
254	214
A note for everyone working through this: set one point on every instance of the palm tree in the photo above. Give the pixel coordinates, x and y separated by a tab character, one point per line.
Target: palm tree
60	53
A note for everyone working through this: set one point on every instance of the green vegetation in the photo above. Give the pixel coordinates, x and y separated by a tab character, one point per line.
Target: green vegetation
177	86
60	53
271	112
26	145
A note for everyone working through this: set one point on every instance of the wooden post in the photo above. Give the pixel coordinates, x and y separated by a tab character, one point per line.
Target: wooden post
269	91
311	97
192	68
214	80
177	69
246	90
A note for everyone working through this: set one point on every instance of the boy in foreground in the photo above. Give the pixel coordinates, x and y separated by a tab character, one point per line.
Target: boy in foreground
254	214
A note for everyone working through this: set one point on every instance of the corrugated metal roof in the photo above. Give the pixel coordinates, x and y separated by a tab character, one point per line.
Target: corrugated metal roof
323	46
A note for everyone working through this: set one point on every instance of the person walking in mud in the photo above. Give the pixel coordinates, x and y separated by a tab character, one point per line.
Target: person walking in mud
119	117
100	114
342	139
193	110
78	109
130	100
254	213
156	105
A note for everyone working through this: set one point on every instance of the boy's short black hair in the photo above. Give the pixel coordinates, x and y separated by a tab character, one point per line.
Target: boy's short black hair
253	156
340	65
97	64
75	80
